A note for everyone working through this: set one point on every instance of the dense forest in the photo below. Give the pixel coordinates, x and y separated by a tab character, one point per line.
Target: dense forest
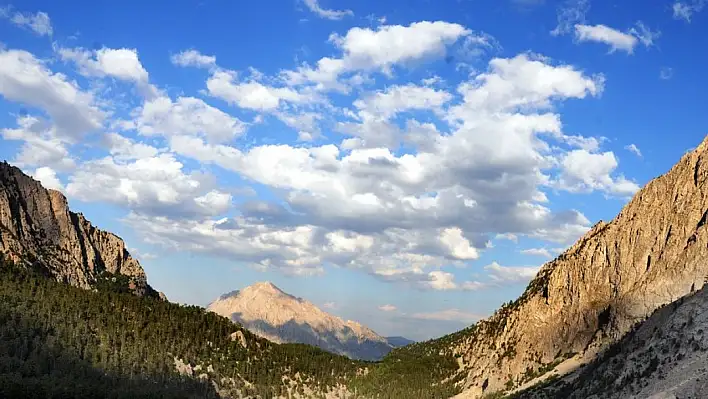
59	341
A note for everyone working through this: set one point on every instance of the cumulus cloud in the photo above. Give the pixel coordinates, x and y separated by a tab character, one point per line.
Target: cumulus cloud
27	80
39	23
122	64
603	34
186	116
588	171
152	185
423	178
251	94
48	177
193	58
314	6
365	49
387	308
508	274
617	40
544	252
41	146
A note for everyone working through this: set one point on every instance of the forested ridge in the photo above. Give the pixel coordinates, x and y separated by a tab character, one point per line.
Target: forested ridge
61	341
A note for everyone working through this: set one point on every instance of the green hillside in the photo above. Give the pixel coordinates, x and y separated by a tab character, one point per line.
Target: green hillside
60	341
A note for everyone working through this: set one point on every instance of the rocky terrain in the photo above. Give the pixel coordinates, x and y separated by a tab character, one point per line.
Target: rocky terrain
271	313
37	226
664	357
654	252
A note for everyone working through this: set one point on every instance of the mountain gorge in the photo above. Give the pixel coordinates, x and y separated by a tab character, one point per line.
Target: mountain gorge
269	312
627	300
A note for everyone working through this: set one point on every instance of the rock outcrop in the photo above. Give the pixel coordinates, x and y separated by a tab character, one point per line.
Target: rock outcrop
653	252
664	357
36	226
266	310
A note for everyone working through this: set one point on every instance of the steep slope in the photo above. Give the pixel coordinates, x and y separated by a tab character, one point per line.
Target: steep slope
653	252
37	226
60	341
663	357
269	312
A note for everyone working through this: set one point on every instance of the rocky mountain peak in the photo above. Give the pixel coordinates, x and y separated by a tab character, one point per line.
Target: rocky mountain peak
280	317
37	227
265	287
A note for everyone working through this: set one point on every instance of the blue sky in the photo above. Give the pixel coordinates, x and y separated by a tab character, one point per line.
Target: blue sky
406	164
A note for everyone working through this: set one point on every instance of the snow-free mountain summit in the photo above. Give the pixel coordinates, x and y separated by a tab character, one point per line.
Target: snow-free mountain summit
271	313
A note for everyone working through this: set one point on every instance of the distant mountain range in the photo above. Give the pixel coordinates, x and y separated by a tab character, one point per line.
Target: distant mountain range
267	311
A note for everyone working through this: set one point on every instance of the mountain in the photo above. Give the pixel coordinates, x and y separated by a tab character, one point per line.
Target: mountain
662	357
36	226
617	274
269	312
398	342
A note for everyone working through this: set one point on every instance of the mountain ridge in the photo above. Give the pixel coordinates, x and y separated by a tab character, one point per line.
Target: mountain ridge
37	226
270	312
653	252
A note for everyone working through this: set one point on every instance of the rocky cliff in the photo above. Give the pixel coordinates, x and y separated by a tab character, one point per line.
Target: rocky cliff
36	226
653	252
267	311
664	357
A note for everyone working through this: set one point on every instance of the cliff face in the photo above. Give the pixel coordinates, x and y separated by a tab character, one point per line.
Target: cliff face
653	252
267	311
37	226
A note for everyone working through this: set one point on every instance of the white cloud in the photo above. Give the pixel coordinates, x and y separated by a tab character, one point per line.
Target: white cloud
39	23
685	10
154	185
459	247
570	14
396	208
25	79
624	41
587	171
374	128
48	177
504	274
448	315
329	305
366	49
140	255
122	64
186	116
478	156
441	281
41	145
123	148
633	149
603	34
537	252
335	15
252	94
193	58
387	308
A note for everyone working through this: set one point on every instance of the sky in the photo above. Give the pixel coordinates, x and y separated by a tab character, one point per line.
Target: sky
405	164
